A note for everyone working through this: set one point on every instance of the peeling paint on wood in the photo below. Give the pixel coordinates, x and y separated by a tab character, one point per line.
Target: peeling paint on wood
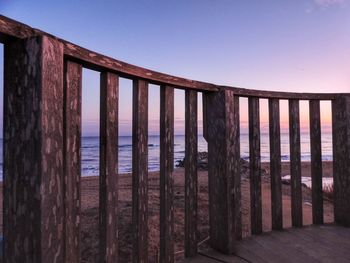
140	171
72	160
341	159
108	209
33	145
166	174
224	170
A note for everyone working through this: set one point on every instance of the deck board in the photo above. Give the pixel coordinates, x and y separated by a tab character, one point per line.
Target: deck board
322	243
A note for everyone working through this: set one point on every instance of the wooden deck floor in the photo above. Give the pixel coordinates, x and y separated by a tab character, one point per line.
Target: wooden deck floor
326	243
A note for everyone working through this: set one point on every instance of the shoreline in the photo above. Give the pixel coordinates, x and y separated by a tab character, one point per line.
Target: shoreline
327	167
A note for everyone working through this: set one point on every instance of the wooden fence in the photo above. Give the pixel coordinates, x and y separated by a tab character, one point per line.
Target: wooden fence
42	153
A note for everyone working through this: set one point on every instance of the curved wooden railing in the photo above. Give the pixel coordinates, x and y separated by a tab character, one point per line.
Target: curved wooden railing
42	133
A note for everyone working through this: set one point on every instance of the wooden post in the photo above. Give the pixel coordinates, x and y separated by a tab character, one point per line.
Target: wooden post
72	159
224	170
275	164
191	180
341	159
316	162
33	151
166	174
140	171
255	166
108	210
295	163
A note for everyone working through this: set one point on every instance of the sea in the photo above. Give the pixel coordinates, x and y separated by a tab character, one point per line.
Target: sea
90	151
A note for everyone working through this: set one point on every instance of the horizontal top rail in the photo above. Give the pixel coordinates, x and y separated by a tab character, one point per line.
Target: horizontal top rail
11	29
266	94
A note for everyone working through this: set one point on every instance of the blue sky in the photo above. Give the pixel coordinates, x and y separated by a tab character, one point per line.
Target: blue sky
294	45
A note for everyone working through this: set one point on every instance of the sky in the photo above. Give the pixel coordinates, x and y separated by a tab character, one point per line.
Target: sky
292	45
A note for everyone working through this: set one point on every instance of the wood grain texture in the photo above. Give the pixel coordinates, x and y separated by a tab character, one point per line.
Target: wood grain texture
255	166
266	94
295	163
11	29
108	207
205	114
72	159
224	170
321	243
275	164
191	178
166	174
33	151
140	171
341	159
316	162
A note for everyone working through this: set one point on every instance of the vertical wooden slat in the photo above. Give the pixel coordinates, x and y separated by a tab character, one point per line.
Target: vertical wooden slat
108	209
191	184
234	168
72	159
140	171
295	163
205	114
316	162
275	164
33	151
224	170
255	166
166	174
341	159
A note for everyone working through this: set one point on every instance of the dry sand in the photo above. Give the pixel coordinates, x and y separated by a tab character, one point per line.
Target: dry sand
89	227
90	210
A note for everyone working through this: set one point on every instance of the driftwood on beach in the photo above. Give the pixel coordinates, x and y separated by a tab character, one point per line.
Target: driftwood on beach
202	163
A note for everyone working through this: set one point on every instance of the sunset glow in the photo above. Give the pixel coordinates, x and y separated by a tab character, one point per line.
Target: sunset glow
299	46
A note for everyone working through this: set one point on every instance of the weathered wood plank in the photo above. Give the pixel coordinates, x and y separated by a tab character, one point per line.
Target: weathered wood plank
191	180
224	170
33	151
266	94
200	259
276	242
205	122
140	171
255	166
219	257
308	244
72	159
166	174
341	159
295	163
275	164
108	207
316	162
11	29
